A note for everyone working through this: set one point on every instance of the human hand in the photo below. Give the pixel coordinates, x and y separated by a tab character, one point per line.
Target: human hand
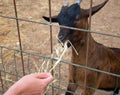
33	84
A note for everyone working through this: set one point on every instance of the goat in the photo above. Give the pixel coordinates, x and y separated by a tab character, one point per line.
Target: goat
99	56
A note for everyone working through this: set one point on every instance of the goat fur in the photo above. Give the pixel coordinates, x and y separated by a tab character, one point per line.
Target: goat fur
99	56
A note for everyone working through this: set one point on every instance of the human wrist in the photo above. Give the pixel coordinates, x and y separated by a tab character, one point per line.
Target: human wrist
14	90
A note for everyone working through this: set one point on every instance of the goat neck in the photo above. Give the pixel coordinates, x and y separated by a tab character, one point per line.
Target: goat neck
80	40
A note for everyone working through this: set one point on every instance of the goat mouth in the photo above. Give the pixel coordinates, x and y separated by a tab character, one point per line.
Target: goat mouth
61	42
62	39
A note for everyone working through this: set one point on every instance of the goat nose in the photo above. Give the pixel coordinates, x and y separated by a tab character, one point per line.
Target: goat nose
60	37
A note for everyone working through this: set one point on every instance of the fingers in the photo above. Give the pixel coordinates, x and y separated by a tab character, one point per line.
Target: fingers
42	76
49	79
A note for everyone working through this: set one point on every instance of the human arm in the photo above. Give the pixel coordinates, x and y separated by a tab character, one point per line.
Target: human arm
30	84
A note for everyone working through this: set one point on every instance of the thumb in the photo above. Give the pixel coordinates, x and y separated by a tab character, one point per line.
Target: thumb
48	80
40	75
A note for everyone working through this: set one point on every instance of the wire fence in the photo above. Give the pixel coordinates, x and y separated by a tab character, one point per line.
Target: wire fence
15	63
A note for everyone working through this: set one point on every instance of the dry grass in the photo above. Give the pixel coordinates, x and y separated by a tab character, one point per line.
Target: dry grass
35	37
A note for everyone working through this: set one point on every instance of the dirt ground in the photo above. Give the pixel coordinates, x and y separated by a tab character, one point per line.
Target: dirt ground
35	37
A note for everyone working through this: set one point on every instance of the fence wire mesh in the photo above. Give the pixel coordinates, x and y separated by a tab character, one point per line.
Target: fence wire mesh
16	62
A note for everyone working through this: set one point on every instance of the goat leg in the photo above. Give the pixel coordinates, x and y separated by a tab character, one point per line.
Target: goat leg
87	91
72	80
71	89
116	91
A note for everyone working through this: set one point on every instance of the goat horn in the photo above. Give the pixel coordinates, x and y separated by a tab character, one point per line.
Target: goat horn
78	1
66	3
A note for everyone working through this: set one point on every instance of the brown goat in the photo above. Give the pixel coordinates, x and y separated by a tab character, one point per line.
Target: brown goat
99	56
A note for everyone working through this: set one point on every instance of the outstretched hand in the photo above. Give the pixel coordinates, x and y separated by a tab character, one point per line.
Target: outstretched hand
33	84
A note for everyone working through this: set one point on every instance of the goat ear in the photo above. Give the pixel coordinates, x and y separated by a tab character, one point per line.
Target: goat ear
53	19
95	8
